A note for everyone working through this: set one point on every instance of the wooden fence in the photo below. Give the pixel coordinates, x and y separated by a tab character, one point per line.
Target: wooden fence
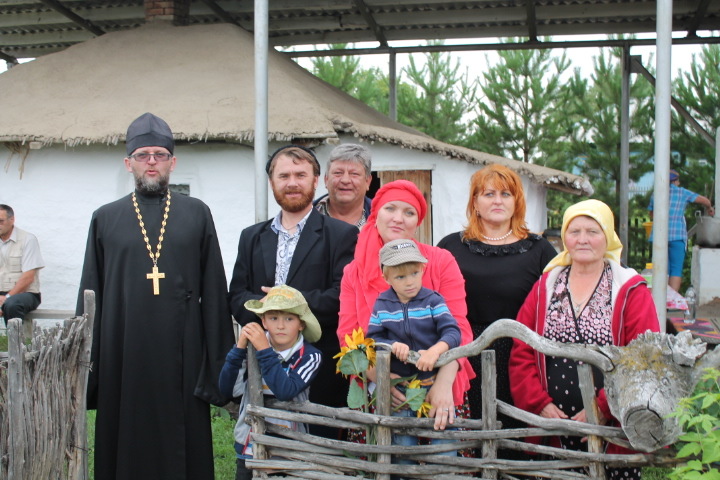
299	455
42	400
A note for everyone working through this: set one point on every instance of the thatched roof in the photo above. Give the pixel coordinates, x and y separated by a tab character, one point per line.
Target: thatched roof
201	80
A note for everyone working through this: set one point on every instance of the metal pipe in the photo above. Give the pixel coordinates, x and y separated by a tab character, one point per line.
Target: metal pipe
474	47
662	159
392	79
624	151
261	109
714	201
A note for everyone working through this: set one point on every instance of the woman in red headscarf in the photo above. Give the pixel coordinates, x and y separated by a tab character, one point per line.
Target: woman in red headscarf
397	210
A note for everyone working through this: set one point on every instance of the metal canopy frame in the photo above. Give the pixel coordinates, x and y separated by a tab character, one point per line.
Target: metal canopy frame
32	28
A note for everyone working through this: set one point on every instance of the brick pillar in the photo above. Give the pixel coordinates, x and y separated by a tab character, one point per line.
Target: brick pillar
175	11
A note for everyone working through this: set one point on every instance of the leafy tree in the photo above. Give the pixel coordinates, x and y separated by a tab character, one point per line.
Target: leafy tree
699	92
595	136
440	97
369	85
519	110
434	99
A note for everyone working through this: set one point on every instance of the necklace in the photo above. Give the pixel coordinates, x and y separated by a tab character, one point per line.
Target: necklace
155	276
497	239
577	305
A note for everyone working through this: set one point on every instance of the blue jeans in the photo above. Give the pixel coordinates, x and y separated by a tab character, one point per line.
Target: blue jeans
410	440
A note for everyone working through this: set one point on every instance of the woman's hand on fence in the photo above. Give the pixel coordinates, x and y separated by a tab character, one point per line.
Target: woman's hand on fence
441	398
552	411
580	416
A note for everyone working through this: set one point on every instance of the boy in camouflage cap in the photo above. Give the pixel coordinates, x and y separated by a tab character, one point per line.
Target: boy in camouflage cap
287	360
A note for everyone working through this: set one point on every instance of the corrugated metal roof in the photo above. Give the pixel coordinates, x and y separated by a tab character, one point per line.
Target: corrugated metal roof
36	28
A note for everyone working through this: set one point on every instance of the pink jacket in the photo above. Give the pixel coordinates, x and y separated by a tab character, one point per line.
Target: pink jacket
442	275
633	313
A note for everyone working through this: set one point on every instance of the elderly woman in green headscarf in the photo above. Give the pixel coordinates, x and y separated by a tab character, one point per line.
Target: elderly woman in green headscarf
584	296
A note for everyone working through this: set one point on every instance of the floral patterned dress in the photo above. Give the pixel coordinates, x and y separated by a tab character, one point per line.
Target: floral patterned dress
586	323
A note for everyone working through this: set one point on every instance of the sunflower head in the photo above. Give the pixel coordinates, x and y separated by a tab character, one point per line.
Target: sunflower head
357	355
424	410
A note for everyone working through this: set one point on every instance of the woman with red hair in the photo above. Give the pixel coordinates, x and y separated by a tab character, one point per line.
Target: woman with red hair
500	261
397	210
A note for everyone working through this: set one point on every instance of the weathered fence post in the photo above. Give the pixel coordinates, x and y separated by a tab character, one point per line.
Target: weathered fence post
595	443
78	462
255	390
383	435
489	409
16	399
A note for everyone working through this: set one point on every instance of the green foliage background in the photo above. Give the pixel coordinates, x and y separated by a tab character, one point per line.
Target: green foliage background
531	107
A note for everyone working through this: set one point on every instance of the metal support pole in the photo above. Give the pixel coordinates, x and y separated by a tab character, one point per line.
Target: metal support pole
392	78
662	159
624	152
261	108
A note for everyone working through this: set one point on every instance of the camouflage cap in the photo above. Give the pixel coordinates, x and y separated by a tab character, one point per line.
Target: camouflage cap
287	299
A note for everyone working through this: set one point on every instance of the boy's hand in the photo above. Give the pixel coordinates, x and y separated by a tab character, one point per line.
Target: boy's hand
427	360
255	334
401	351
428	357
242	340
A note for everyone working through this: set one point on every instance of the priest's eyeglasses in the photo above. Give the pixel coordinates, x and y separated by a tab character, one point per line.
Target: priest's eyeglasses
144	157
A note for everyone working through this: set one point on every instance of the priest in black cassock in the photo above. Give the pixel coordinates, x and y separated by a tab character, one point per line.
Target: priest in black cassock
162	324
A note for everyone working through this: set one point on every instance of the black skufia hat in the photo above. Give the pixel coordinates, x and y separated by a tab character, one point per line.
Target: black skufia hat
149	130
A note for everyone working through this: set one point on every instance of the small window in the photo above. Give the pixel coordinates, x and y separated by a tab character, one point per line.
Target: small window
181	188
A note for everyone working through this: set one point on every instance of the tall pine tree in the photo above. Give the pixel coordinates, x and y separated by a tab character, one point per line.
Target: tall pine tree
595	110
520	109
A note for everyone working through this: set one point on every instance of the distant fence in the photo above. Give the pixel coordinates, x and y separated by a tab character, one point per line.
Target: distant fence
43	433
300	455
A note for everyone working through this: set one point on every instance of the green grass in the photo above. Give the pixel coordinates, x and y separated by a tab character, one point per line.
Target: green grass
3	343
223	444
655	473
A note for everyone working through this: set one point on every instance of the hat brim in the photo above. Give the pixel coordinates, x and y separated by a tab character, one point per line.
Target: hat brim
312	331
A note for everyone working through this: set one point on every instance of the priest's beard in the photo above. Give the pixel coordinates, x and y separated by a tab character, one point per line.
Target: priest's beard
294	205
151	185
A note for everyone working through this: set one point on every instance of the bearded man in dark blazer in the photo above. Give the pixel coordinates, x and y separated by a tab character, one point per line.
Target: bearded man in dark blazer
304	249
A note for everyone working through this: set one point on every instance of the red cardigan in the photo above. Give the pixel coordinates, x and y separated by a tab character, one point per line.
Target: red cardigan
633	313
442	275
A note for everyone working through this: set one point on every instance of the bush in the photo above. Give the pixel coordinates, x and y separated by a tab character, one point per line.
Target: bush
699	418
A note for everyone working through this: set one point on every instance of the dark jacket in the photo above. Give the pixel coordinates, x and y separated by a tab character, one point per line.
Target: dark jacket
421	323
326	245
